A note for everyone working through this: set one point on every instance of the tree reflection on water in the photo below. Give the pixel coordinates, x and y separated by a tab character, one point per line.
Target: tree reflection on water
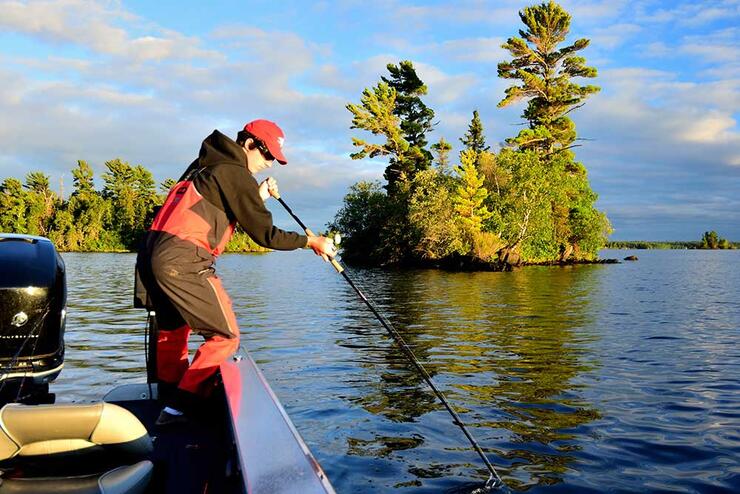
509	351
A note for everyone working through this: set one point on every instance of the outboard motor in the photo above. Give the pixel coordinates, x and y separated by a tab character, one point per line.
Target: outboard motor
33	301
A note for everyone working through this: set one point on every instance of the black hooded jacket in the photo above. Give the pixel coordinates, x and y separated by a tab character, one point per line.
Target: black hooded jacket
225	193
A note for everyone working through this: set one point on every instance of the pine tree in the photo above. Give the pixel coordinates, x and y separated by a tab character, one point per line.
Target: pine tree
82	177
91	214
474	138
545	73
13	200
41	204
375	114
394	110
470	195
146	198
416	117
442	148
131	191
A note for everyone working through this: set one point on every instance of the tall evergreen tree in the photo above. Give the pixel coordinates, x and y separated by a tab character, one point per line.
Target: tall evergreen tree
13	201
394	110
82	177
375	114
474	139
442	148
416	117
131	191
37	182
545	74
119	191
146	197
91	214
41	204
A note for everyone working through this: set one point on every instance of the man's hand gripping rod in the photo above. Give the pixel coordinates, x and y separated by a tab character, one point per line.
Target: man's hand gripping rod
333	261
494	480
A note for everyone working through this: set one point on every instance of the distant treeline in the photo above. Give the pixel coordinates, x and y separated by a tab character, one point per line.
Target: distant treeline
640	244
113	219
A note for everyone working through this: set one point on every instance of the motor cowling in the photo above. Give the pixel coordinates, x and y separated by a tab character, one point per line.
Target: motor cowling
33	300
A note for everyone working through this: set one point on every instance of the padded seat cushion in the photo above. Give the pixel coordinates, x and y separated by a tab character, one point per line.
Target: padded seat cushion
132	479
69	439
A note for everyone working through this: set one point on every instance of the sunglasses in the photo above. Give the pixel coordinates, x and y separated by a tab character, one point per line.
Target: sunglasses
265	152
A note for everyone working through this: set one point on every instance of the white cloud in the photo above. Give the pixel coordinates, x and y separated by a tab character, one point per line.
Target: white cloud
721	46
63	21
610	37
444	88
657	49
273	52
590	10
503	12
690	14
93	25
479	50
650	118
331	77
710	128
500	13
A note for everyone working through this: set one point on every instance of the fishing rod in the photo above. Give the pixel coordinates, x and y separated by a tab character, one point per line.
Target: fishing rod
494	480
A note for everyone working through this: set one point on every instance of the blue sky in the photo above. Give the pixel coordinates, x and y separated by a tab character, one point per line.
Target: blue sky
147	81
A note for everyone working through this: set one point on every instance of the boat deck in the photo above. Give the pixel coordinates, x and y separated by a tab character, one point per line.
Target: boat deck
243	443
194	457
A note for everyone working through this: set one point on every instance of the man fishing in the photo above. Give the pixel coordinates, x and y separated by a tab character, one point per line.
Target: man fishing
176	263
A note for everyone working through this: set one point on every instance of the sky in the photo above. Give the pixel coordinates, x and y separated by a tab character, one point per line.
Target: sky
147	81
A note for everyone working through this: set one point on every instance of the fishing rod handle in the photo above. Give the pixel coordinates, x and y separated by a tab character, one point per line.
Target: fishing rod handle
338	267
274	194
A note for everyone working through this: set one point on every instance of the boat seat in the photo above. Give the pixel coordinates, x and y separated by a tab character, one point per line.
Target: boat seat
132	479
76	448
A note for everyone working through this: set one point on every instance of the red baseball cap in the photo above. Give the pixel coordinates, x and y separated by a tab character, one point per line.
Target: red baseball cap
269	133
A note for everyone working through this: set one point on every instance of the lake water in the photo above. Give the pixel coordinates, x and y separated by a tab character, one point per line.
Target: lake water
620	378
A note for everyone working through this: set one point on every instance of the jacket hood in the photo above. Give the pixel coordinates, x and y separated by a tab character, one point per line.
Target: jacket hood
218	148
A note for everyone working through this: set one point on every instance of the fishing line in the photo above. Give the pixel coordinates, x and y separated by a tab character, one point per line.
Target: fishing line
47	309
494	481
149	329
14	359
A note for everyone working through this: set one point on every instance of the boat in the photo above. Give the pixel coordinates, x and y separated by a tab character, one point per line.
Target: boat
240	441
